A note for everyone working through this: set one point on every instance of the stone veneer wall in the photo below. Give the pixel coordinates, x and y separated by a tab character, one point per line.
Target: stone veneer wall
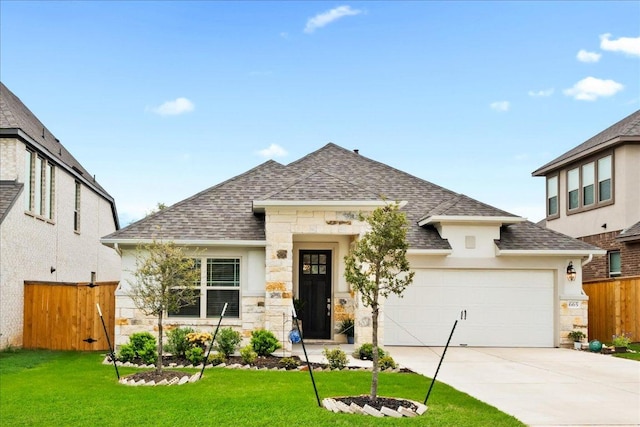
572	318
281	225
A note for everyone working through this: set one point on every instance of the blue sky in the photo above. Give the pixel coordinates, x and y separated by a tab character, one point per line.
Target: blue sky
161	100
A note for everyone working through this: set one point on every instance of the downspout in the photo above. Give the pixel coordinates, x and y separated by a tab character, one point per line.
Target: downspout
588	260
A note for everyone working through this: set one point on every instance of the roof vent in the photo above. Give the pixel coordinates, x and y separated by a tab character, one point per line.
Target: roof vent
356	151
43	131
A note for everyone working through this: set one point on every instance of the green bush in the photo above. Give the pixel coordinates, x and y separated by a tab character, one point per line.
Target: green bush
141	345
195	355
216	358
264	342
336	357
621	341
248	355
227	341
365	352
289	363
177	343
387	362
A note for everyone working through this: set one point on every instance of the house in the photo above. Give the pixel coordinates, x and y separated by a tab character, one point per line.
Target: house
278	232
593	194
52	215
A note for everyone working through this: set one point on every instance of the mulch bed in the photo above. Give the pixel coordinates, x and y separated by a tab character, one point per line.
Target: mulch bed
389	402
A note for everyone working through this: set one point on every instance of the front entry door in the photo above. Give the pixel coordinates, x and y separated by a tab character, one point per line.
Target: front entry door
315	293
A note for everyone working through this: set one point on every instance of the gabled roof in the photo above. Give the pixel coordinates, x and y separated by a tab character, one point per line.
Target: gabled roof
9	192
17	121
224	212
626	130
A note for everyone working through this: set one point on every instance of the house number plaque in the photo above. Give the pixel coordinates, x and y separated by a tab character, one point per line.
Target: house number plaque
573	304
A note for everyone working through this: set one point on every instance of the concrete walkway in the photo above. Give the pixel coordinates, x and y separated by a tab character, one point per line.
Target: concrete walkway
538	386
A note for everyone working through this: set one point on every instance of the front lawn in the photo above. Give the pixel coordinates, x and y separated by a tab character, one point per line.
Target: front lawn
69	389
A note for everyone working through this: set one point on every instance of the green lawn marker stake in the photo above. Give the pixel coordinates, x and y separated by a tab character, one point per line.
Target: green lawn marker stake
213	340
112	353
295	317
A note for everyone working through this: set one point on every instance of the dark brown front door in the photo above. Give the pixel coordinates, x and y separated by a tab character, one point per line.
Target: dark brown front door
315	293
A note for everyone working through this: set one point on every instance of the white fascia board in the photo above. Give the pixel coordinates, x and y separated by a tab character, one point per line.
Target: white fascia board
549	252
188	242
461	219
260	205
435	252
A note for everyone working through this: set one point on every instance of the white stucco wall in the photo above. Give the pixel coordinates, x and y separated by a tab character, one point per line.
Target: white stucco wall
30	246
623	213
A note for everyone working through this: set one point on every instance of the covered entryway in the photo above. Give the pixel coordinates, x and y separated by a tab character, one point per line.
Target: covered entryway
503	308
315	293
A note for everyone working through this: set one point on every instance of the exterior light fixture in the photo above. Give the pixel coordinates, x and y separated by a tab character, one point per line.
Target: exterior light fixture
571	272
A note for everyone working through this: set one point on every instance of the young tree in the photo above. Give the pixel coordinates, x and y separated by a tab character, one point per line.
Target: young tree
165	281
377	266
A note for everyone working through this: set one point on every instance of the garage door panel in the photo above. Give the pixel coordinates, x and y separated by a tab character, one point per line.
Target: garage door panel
504	308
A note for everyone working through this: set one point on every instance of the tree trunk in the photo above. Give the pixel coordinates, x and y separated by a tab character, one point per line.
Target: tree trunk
159	363
374	341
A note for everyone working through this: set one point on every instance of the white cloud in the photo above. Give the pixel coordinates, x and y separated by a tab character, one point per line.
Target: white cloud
541	93
274	150
628	45
500	105
591	88
328	17
586	56
174	108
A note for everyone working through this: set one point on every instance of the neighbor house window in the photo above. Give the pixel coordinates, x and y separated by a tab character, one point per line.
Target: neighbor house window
552	196
39	185
590	185
76	208
221	285
614	264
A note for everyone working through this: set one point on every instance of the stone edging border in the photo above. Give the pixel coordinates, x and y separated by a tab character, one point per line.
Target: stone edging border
338	406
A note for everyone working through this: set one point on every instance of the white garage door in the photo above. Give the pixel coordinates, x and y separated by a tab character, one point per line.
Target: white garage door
503	309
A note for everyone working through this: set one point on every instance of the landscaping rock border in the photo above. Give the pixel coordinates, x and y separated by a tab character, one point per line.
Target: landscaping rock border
340	407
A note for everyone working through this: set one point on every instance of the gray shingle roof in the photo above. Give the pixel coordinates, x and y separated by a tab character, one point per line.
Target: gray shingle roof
529	236
224	212
9	192
630	233
629	127
15	117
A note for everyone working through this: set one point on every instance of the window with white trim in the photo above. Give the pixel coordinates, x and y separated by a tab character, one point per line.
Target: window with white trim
76	208
39	185
552	196
219	284
590	184
615	263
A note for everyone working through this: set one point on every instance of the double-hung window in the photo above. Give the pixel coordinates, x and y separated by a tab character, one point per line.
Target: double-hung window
552	196
219	284
615	264
39	186
590	184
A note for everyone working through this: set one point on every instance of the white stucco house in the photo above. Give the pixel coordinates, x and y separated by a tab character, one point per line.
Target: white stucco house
278	232
52	215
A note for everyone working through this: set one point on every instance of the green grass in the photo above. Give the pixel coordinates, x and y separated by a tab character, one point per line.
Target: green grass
633	356
69	389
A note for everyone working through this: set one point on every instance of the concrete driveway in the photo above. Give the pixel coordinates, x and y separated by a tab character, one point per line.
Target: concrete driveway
538	386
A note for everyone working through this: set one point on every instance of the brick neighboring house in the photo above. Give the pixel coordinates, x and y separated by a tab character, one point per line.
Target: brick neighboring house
278	232
593	194
52	215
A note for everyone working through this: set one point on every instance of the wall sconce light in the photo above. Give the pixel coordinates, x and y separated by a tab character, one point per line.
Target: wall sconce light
571	272
53	269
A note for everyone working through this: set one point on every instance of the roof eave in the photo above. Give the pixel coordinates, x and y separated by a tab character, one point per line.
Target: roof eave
549	252
463	219
113	242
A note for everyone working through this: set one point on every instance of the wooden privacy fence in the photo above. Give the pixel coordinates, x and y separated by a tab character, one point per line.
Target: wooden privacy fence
614	308
63	316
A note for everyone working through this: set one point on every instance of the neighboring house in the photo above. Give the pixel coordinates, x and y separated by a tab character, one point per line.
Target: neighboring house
593	193
279	232
52	215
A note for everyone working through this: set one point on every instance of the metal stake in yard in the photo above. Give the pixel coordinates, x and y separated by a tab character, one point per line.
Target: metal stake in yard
463	316
206	357
112	353
295	317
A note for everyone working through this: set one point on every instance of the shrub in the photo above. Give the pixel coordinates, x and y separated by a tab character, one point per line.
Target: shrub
336	357
177	343
195	355
621	341
264	342
199	339
289	363
227	341
141	345
365	352
387	362
248	355
216	358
